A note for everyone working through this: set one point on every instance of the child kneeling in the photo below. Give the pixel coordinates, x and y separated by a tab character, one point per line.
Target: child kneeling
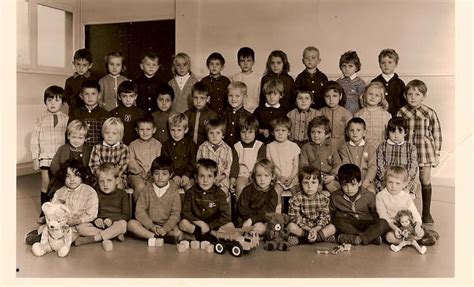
159	206
309	210
205	205
353	210
114	210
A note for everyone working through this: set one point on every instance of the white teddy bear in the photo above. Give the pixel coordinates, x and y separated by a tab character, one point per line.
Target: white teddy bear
57	235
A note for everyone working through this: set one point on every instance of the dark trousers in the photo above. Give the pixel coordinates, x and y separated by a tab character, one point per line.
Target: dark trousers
367	230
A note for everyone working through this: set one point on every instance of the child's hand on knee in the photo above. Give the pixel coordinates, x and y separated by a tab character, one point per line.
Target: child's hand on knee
108	222
99	223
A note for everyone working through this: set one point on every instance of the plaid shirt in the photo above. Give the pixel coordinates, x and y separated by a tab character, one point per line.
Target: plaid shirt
82	201
117	154
424	131
222	156
309	212
338	120
390	154
47	138
300	122
94	119
376	122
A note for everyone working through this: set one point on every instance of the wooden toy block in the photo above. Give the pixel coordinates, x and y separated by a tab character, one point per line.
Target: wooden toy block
181	248
195	244
151	242
210	248
204	244
159	242
107	245
185	243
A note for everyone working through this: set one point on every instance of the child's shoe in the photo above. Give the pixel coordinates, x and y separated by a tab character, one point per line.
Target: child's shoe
422	250
347	238
293	240
107	245
32	237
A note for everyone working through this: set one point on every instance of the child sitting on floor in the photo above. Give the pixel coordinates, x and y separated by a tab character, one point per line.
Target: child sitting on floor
113	214
205	205
158	208
309	210
259	197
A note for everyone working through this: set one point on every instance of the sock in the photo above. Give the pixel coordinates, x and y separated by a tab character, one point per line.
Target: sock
304	237
426	192
321	236
84	240
43	199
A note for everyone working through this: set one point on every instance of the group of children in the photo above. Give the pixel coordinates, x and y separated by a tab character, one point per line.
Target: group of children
342	151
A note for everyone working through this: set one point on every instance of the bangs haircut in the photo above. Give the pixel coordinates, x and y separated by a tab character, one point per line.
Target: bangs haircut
200	88
150	55
397	123
274	85
245	52
215	56
127	87
375	85
113	122
418	84
335	86
165	89
162	163
147	119
284	58
350	57
248	123
268	166
207	164
78	168
178	119
115	54
348	173
54	92
216	124
77	126
281	121
319	121
237	85
90	84
391	53
83	54
107	167
308	172
398	172
305	90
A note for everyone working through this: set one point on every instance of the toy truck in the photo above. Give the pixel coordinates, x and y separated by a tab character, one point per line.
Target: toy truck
237	240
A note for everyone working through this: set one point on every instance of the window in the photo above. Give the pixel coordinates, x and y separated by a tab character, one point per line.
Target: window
45	35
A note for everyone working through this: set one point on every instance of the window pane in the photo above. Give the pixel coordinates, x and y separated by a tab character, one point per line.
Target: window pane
51	37
23	33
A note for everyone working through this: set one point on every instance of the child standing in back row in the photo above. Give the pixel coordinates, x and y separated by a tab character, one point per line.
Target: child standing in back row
246	60
352	84
47	137
217	83
312	78
182	83
424	131
109	83
148	83
394	86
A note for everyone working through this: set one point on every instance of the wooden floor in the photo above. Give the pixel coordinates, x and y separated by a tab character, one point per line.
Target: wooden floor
134	259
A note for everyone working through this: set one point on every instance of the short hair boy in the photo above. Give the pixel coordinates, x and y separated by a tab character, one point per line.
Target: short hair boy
142	153
159	206
246	61
237	92
127	111
319	152
148	83
112	149
182	150
90	112
301	116
113	213
216	82
359	152
273	90
82	62
356	222
216	149
199	115
205	205
47	137
311	77
394	86
164	102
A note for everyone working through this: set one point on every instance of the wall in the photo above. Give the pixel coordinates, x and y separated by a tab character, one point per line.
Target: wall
421	31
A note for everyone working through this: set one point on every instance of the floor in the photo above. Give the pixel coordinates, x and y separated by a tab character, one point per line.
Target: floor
134	259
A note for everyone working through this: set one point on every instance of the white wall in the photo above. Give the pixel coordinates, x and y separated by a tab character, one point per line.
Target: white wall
421	31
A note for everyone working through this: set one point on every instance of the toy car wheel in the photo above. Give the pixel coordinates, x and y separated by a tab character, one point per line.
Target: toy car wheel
219	248
236	250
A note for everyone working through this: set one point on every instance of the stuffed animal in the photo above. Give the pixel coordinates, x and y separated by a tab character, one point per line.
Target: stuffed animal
276	237
57	235
404	221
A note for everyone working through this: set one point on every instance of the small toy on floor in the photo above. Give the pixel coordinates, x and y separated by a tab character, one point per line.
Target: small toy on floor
341	248
404	220
155	242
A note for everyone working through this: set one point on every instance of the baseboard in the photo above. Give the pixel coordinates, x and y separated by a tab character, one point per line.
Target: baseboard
25	169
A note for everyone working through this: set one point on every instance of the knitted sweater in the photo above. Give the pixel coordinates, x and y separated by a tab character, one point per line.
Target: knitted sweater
254	203
114	205
164	211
